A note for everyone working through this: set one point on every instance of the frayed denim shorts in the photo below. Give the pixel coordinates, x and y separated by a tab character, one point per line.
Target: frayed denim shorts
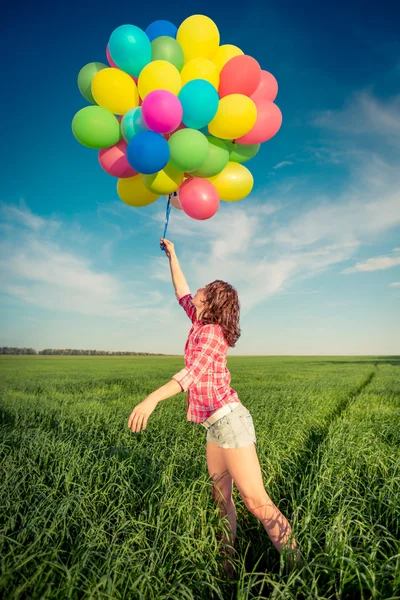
234	430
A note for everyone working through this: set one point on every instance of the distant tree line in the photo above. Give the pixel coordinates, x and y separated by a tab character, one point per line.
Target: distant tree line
73	352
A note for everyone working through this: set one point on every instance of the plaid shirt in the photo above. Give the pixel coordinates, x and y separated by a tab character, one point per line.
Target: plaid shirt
205	376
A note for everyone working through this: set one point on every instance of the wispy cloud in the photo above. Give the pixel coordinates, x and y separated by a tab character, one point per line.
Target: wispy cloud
377	263
265	255
284	163
22	215
365	114
36	268
395	284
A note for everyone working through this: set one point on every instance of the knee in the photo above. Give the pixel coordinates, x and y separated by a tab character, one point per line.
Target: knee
261	507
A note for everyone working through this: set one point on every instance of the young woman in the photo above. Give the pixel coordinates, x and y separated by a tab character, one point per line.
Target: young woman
230	445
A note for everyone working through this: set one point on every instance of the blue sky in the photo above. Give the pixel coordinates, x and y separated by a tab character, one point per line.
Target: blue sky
314	251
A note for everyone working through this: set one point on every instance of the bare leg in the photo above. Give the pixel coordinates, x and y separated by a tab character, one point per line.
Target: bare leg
245	471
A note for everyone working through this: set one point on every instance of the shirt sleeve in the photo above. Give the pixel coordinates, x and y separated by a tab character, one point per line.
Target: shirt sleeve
187	305
204	355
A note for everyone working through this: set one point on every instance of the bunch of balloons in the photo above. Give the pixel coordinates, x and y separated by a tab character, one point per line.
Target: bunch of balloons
175	111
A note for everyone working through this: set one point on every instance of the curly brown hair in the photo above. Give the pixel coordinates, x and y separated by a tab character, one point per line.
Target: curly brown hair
222	306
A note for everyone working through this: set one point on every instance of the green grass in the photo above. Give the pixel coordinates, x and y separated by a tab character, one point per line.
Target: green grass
90	510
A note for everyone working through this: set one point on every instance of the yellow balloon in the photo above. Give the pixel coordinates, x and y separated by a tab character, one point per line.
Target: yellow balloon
159	75
198	36
115	90
132	191
225	53
200	68
236	115
165	181
233	183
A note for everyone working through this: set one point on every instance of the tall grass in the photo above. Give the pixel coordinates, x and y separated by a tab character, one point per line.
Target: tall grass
91	510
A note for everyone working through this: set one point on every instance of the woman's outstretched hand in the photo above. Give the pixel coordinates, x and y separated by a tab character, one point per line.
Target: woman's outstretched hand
140	415
169	248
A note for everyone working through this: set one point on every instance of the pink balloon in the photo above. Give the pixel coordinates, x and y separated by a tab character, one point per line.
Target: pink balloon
240	75
110	60
269	120
267	89
113	160
162	111
198	198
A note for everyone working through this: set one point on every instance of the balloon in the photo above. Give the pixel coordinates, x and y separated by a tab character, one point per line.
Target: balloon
217	159
133	192
85	78
159	74
167	48
199	101
109	59
198	36
132	122
148	152
175	202
189	149
235	117
113	160
130	49
225	53
241	153
161	28
233	183
267	89
240	75
115	90
165	181
200	68
162	111
96	127
198	198
269	120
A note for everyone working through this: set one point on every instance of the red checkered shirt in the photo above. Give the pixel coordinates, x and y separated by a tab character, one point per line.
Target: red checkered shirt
205	376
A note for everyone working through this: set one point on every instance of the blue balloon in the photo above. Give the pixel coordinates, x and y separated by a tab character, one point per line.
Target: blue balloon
132	122
130	49
147	152
199	100
159	28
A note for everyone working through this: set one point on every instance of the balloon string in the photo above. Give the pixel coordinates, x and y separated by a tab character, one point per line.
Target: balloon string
167	217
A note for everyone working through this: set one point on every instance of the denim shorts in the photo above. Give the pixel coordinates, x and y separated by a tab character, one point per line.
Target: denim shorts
234	430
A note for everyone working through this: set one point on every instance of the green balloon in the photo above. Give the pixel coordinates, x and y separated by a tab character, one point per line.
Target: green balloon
166	48
85	78
189	149
241	153
217	159
96	127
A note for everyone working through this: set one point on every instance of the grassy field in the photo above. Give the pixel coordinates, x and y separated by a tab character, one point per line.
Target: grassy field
91	510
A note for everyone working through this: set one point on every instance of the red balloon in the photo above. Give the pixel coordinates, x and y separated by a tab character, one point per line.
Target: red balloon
267	89
198	198
240	75
109	59
269	120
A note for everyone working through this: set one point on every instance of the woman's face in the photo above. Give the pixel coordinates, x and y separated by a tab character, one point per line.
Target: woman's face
199	298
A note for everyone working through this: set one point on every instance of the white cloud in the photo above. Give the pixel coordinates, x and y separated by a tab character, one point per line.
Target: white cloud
24	216
395	284
284	163
365	114
377	263
38	270
325	232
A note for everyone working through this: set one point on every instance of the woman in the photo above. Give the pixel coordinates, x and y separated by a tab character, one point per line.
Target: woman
230	446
